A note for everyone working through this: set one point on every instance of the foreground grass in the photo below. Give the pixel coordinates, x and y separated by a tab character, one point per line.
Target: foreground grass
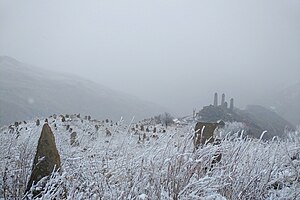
167	167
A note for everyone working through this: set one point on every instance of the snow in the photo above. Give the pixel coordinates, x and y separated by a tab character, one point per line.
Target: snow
143	196
125	165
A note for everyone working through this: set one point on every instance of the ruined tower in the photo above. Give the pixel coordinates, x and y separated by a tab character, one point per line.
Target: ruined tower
216	100
223	100
225	105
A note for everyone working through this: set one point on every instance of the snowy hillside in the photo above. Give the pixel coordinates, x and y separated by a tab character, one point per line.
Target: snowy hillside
115	160
27	92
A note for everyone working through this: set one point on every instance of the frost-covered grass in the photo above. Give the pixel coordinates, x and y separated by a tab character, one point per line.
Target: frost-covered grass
164	167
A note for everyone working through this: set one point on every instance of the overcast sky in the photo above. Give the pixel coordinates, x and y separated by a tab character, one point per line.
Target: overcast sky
175	53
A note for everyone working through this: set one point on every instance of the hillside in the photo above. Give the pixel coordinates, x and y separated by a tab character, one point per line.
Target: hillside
255	118
287	103
27	92
274	124
130	163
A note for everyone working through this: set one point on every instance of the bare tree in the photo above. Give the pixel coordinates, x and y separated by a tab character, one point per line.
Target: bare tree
166	119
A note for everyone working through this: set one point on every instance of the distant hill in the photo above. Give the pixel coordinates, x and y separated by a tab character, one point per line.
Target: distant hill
27	92
287	103
256	119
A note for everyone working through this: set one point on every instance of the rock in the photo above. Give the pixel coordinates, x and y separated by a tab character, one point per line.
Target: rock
108	133
97	127
154	130
204	132
46	159
73	139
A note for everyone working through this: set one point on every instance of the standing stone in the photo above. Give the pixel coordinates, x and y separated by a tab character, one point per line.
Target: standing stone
154	130
216	100
194	113
108	133
223	100
73	138
97	127
46	158
204	132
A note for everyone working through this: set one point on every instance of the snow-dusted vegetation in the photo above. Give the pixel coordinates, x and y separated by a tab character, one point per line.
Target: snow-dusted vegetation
118	160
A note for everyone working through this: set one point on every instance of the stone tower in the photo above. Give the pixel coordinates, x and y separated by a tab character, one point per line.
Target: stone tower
216	100
231	104
223	99
225	105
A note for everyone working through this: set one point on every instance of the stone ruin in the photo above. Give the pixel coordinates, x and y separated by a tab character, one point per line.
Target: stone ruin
216	100
46	160
224	103
223	100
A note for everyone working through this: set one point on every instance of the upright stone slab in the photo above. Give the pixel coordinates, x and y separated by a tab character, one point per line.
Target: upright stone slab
204	132
73	138
46	158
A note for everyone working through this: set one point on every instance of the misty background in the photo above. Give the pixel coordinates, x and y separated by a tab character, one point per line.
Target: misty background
173	53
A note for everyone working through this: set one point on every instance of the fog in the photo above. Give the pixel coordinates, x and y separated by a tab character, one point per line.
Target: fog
174	53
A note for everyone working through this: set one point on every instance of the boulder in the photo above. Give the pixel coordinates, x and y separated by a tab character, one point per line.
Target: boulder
204	132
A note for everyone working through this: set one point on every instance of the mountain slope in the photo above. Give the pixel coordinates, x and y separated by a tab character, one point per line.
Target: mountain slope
268	120
257	119
287	103
27	92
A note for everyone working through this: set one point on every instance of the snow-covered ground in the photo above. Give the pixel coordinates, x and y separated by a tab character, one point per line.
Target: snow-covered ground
135	164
